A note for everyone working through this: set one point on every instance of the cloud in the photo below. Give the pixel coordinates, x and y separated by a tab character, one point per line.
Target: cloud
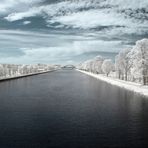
29	47
51	10
98	18
26	22
87	15
21	15
68	28
125	4
7	6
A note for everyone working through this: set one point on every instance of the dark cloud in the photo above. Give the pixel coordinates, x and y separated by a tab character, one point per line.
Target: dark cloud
46	2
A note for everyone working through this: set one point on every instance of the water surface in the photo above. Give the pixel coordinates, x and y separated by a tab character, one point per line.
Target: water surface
68	109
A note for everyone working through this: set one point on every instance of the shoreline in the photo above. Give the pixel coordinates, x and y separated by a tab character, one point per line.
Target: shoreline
131	86
22	76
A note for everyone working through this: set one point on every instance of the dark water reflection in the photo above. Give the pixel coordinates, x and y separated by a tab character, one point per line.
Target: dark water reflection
68	109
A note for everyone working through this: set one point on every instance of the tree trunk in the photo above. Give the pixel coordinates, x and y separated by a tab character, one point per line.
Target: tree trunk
144	77
126	76
144	80
119	75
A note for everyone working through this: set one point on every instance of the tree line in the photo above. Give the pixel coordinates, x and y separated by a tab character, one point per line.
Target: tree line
131	64
12	70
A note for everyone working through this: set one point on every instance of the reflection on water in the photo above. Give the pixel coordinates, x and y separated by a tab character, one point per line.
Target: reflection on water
69	109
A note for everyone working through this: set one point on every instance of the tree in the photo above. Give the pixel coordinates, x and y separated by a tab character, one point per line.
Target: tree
97	64
1	70
140	59
123	62
107	66
88	65
118	67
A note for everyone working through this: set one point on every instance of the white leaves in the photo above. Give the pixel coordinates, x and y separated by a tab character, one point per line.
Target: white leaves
11	70
130	64
107	66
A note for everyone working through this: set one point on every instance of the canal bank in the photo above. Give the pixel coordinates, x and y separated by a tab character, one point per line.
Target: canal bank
26	75
131	86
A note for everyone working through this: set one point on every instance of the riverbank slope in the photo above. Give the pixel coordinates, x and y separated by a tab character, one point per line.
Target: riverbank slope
131	86
26	75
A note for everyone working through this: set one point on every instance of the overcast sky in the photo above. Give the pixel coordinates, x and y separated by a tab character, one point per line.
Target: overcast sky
68	31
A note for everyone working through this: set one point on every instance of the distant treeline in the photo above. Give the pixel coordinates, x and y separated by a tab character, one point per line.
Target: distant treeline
12	70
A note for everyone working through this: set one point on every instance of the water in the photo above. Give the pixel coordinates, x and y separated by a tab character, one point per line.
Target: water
68	109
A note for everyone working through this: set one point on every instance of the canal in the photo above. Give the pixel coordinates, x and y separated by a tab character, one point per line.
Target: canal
68	109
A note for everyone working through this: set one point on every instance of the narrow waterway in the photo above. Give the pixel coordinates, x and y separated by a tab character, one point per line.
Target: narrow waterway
68	109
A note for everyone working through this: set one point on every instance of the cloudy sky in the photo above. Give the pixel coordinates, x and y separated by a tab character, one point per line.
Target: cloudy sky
69	31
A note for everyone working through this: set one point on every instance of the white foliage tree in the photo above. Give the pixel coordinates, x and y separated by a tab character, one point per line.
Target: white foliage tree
123	62
140	59
118	68
107	66
12	70
97	64
130	64
1	70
